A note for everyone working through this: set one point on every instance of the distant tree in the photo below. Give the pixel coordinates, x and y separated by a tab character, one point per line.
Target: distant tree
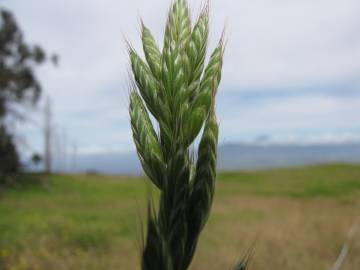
8	154
17	61
18	83
36	159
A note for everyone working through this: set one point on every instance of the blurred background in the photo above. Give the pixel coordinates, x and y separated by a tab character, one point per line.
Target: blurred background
290	92
289	147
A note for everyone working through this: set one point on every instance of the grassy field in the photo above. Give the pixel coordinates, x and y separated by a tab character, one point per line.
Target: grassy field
295	218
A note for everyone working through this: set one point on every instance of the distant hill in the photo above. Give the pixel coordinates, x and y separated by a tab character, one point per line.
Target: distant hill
231	157
255	156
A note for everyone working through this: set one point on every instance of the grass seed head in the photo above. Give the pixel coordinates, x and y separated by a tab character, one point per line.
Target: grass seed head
179	91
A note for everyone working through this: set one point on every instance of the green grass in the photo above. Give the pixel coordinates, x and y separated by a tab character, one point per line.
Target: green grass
77	211
313	181
93	222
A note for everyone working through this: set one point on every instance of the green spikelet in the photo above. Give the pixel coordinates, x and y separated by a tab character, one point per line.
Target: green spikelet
155	253
180	93
173	202
202	187
146	141
205	96
175	64
212	76
178	27
196	50
152	52
147	84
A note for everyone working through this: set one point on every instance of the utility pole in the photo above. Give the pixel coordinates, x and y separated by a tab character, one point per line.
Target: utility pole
61	150
75	148
47	136
64	150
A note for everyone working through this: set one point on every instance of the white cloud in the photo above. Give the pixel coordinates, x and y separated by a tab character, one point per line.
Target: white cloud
294	45
290	43
309	115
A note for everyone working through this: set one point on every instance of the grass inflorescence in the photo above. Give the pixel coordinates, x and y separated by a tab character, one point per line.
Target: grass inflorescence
176	87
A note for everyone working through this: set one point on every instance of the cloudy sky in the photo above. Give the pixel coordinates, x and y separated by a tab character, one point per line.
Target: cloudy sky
291	72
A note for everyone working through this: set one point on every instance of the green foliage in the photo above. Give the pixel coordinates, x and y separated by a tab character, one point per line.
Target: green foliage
9	157
179	91
17	60
36	159
18	83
